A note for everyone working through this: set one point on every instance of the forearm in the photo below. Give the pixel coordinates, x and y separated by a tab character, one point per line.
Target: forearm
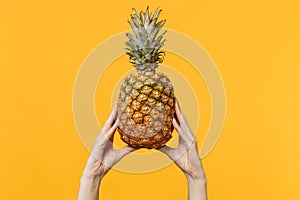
90	181
197	189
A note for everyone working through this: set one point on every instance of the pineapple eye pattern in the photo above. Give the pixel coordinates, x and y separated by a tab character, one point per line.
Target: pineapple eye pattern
147	111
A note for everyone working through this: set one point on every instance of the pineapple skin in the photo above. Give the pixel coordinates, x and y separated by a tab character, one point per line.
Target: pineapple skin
146	110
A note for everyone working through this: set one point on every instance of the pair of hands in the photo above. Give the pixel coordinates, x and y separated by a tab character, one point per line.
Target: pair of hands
186	155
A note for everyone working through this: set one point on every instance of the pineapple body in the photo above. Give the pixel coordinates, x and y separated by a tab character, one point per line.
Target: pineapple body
146	110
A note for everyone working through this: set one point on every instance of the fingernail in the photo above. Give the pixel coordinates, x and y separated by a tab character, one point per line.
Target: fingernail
174	121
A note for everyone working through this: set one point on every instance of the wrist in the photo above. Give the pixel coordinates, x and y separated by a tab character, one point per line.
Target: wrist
90	179
199	179
95	170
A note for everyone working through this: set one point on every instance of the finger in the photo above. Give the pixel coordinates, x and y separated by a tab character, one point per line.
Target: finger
184	131
175	124
178	112
110	120
120	153
177	102
191	136
183	138
170	152
177	127
110	133
186	128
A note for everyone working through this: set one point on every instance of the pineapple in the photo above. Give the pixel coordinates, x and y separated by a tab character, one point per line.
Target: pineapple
146	100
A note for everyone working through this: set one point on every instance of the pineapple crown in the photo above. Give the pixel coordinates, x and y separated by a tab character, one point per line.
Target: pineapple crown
144	46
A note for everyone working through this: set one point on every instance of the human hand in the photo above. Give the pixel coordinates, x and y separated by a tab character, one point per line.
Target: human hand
103	156
186	155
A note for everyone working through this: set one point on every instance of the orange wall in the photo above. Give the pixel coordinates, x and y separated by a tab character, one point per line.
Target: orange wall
255	45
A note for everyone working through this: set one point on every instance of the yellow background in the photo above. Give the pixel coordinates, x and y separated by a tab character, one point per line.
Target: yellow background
255	45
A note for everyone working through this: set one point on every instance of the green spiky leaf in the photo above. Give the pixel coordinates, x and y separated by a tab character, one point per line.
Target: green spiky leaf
145	43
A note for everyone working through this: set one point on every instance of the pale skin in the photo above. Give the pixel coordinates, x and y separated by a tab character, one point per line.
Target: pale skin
103	157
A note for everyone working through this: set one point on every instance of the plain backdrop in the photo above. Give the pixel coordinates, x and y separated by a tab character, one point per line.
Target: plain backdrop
255	45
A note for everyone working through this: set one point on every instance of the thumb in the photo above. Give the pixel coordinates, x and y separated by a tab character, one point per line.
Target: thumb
171	152
120	153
